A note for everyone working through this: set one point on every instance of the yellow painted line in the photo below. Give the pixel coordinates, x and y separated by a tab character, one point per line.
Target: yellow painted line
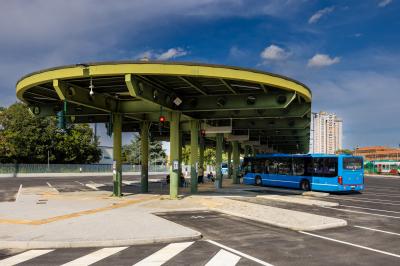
75	214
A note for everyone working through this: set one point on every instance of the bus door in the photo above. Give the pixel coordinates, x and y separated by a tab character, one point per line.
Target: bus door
325	173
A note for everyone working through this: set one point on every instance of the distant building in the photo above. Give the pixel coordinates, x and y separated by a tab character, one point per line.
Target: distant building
373	153
326	133
106	155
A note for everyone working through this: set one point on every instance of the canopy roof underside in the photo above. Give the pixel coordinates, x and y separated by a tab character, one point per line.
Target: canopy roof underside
273	110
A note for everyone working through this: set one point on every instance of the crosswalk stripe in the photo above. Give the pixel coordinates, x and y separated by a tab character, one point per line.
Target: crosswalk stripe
223	258
164	254
28	255
95	256
239	253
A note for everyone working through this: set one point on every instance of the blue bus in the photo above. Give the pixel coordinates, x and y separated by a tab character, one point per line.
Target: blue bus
320	172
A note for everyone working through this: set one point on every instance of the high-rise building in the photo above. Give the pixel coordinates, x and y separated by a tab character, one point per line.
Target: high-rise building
326	133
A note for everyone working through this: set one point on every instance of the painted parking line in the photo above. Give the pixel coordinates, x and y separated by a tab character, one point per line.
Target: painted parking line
369	201
360	212
164	254
381	194
18	193
377	230
237	252
223	257
28	255
79	183
94	256
351	244
371	209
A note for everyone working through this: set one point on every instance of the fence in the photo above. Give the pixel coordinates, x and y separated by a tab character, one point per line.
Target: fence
73	168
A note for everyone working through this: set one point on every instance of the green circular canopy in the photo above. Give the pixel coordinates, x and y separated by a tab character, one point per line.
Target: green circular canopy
272	110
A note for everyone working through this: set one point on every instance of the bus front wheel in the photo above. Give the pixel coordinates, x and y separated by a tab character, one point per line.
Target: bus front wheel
305	185
258	181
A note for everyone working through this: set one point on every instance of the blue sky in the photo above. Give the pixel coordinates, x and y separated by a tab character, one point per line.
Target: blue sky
347	52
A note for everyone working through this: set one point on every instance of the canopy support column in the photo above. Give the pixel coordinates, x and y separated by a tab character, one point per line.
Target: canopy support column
174	155
218	160
117	146
194	154
144	147
229	150
236	161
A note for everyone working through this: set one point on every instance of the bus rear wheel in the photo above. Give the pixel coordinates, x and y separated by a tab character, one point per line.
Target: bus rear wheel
305	185
258	181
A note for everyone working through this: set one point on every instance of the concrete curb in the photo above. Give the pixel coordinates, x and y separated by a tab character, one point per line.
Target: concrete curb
339	223
298	200
94	243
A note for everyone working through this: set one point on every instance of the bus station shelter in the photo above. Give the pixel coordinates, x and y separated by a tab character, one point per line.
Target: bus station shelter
229	108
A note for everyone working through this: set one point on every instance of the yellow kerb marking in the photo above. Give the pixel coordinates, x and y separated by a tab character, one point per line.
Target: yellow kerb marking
75	214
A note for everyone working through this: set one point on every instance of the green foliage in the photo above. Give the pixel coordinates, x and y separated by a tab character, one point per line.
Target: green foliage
345	151
25	138
186	155
131	152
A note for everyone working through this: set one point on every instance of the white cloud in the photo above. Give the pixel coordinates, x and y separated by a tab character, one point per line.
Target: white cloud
319	14
322	60
168	54
274	53
384	3
172	53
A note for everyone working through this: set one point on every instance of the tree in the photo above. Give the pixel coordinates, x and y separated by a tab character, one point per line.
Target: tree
25	138
345	151
131	152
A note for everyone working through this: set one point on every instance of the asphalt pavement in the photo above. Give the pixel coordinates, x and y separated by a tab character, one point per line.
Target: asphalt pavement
371	238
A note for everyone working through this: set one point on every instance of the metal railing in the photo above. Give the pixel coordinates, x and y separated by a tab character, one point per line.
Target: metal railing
73	168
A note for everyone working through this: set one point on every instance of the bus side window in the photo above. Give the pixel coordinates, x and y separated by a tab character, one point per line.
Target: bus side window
298	166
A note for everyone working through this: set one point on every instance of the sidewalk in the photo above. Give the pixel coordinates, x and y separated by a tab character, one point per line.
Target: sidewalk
44	218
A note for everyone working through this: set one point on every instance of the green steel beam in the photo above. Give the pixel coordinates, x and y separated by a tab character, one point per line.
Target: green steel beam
290	112
80	96
236	102
144	153
218	159
194	154
117	147
193	84
228	86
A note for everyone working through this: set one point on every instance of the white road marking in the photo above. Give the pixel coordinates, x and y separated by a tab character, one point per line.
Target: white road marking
49	184
368	213
364	200
223	257
351	244
357	207
164	254
79	183
94	256
18	193
28	255
239	253
377	230
381	194
92	186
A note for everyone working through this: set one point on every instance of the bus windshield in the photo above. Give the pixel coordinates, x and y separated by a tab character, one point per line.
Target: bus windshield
352	163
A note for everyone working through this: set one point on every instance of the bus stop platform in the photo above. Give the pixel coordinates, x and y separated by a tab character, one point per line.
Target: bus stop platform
41	217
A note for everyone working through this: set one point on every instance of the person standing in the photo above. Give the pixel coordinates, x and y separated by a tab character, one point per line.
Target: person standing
200	176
